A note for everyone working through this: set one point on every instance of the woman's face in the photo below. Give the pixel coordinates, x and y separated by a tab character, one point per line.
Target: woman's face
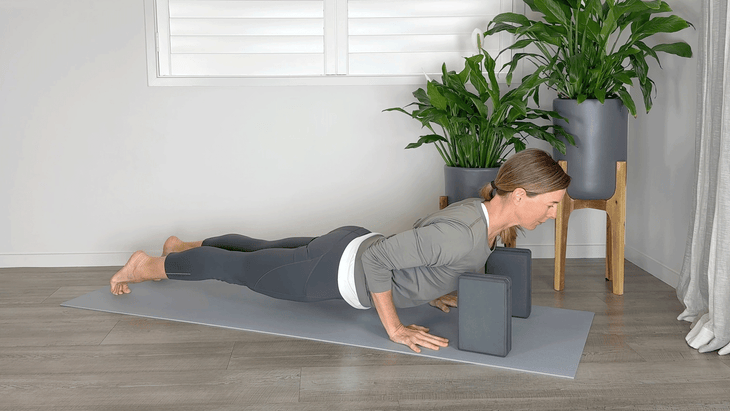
533	211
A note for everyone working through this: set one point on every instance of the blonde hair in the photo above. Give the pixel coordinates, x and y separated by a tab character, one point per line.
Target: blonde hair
533	170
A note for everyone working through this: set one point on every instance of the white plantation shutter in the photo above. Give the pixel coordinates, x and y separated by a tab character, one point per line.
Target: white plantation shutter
234	38
404	37
318	38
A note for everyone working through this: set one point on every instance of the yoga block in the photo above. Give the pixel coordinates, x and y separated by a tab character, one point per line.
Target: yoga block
515	263
485	314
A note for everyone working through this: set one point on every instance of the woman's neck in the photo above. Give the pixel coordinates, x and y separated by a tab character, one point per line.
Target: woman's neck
500	217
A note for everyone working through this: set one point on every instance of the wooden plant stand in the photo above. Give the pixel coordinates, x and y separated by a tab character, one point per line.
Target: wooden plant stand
615	208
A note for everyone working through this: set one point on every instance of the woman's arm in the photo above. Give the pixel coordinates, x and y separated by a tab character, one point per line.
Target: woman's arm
412	335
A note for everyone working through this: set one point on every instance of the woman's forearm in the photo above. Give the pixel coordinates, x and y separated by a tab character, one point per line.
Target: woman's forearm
386	311
414	336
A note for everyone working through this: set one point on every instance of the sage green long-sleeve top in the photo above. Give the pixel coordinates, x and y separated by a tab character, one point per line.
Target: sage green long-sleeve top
425	263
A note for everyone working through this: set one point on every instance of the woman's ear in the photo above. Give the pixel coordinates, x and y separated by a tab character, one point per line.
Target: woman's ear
519	195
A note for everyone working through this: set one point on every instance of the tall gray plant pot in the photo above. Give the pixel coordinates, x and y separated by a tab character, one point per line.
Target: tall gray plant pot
462	183
601	139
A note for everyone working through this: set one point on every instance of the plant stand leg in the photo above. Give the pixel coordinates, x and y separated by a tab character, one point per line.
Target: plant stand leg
616	211
609	240
561	236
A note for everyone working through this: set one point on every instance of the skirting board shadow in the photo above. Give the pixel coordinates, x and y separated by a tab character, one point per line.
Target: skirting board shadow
549	342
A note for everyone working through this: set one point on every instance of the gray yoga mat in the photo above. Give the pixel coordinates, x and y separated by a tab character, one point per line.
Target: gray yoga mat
549	342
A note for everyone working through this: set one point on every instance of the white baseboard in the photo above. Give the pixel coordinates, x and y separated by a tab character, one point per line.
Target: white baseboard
652	266
107	259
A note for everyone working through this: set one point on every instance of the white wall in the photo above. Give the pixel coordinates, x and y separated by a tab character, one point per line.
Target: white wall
95	164
661	158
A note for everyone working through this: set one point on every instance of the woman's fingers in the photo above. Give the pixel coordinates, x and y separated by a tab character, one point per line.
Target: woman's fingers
440	305
415	335
444	302
450	300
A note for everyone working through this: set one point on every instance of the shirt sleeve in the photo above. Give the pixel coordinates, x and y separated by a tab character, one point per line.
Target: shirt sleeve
440	243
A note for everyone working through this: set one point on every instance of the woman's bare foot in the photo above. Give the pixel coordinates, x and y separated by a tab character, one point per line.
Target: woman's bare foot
140	267
176	245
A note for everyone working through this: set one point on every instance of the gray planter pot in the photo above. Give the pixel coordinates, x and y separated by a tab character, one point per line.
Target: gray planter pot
462	183
600	132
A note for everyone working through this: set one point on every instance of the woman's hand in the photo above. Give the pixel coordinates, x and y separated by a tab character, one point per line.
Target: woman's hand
444	302
414	336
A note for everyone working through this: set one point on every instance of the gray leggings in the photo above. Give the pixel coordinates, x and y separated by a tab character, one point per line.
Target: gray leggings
297	268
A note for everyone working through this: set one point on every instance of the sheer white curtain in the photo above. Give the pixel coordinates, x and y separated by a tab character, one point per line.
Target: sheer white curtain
704	285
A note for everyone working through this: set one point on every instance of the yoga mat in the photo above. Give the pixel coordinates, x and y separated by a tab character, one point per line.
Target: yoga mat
549	342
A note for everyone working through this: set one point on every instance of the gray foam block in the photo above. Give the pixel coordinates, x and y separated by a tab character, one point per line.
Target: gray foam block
485	314
550	342
515	263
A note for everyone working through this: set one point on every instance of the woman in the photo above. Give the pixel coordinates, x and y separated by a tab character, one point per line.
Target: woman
366	269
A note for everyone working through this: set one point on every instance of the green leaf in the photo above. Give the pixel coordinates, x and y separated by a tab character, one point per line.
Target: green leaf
552	11
500	27
628	101
477	78
490	68
511	18
581	98
623	77
680	49
609	24
670	24
648	50
464	74
641	68
601	95
518	144
429	138
646	89
437	99
520	44
655	4
421	96
479	104
398	109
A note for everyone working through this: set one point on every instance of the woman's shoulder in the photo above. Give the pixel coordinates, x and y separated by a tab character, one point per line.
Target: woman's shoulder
466	212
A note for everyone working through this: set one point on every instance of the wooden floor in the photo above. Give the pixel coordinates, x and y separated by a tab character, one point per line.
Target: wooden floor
56	358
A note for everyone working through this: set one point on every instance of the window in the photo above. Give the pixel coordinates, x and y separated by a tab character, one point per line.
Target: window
209	42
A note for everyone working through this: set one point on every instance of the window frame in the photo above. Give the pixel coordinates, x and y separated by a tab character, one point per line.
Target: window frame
333	67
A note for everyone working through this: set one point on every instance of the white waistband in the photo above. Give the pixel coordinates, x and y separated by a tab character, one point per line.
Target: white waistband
346	272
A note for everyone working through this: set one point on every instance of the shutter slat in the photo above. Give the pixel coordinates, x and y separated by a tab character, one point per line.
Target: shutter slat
421	8
247	65
251	27
247	44
246	9
418	25
415	44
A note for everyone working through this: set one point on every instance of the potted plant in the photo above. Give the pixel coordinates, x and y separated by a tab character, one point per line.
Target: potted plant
477	125
590	52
